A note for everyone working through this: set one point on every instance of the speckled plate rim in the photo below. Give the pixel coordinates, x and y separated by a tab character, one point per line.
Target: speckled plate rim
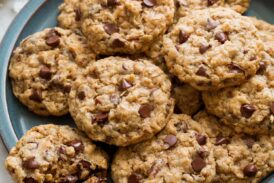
7	45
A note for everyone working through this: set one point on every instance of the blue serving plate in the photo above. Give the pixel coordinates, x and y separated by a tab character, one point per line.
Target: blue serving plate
35	16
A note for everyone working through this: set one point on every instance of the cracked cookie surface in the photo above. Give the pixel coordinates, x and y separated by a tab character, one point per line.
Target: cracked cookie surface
156	160
51	153
43	67
120	101
213	48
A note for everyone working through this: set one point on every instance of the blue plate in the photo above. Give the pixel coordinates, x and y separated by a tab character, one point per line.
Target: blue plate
37	15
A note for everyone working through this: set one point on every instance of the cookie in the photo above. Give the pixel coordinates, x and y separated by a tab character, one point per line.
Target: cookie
124	26
213	48
180	153
51	153
187	99
184	7
43	68
239	158
249	108
120	101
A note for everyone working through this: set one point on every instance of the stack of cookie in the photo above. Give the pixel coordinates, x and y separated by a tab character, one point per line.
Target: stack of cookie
184	89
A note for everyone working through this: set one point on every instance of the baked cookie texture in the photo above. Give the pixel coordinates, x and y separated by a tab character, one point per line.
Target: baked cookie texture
184	7
121	102
249	108
239	157
187	99
43	67
51	153
213	48
180	153
124	26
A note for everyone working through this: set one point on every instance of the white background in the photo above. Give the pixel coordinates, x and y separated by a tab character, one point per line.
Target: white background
8	9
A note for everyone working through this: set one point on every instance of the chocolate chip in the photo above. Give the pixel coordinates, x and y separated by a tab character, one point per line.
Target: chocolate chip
134	178
69	179
272	107
183	36
112	2
53	40
262	68
247	110
211	24
124	85
202	71
145	110
198	164
203	153
111	28
81	95
45	73
254	57
85	164
117	43
36	96
181	127
203	48
170	140
221	37
250	170
249	141
210	2
30	163
245	51
149	3
101	175
29	180
62	150
222	140
77	145
67	88
100	118
235	68
78	14
201	139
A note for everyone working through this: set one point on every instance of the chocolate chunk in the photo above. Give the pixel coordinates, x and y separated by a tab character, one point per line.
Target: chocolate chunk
181	127
235	68
183	36
145	110
247	110
250	170
30	164
111	28
149	3
36	96
81	95
52	40
100	118
222	140
77	145
198	164
203	48
124	85
85	164
201	139
117	43
69	179
210	2
272	107
211	24
249	141
78	14
45	73
29	180
170	140
134	178
262	68
202	71
112	2
67	88
221	37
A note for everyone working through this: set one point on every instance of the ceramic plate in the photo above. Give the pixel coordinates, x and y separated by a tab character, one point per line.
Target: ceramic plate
35	16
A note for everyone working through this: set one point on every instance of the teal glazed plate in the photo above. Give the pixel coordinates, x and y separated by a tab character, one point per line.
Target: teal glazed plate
35	16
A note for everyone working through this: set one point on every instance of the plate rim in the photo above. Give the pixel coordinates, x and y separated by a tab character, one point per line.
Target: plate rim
7	132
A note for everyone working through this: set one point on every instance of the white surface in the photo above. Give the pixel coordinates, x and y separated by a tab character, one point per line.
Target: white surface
8	9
